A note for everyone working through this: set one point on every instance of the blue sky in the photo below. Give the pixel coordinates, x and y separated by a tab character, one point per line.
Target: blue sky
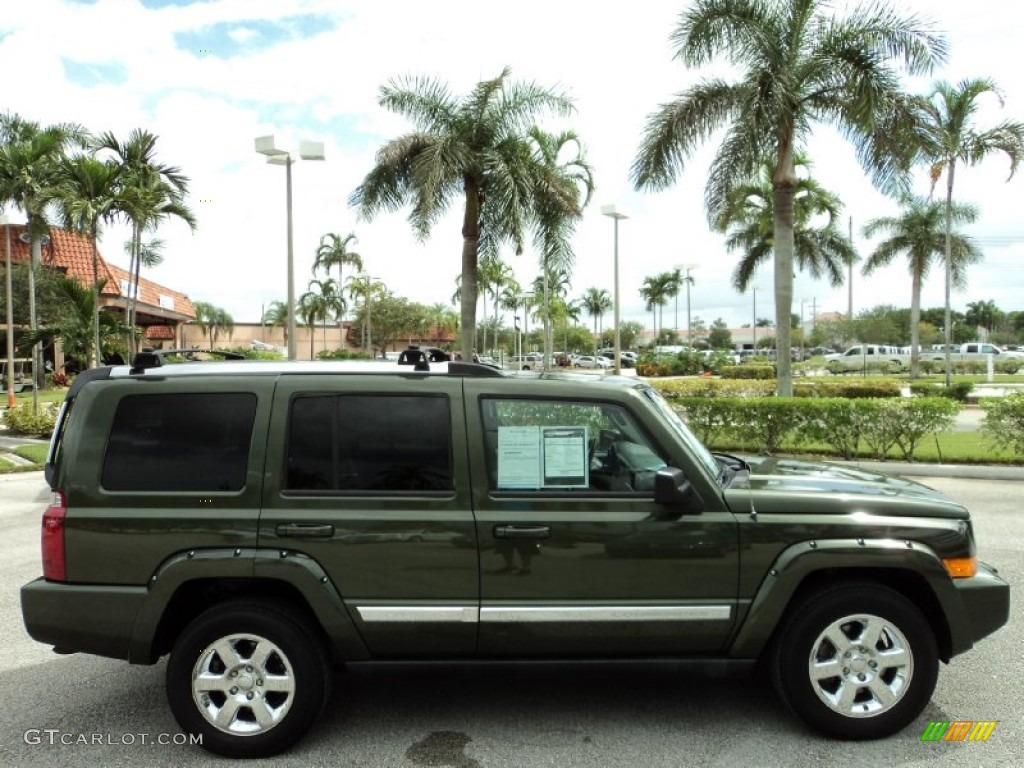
208	77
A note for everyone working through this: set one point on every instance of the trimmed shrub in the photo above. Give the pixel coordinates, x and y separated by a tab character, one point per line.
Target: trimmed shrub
705	387
21	421
748	371
848	389
959	390
1003	425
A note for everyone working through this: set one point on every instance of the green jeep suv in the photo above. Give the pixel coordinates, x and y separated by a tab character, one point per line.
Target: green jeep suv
260	522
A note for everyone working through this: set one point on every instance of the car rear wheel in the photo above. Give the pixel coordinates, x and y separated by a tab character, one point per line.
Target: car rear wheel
857	661
250	678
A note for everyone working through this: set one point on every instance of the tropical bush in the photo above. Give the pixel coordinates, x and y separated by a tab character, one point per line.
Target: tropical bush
22	421
748	371
958	390
1003	424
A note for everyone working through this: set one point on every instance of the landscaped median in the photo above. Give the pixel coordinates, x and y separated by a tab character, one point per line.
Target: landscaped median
869	420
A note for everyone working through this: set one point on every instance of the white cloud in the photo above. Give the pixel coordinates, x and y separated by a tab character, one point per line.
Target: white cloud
615	63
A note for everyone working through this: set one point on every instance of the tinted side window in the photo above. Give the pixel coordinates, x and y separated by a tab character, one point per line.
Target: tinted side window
369	443
186	442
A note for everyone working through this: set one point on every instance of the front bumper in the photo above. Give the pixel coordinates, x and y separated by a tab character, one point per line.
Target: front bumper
986	600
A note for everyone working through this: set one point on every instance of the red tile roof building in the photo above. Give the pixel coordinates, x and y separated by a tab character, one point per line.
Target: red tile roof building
160	311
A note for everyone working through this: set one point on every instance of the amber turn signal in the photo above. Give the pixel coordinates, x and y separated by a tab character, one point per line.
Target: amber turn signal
961	567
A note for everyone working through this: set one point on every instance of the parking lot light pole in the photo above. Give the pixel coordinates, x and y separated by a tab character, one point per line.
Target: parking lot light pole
616	215
308	150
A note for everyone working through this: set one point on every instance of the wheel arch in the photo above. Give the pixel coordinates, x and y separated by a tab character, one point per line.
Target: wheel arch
190	583
913	570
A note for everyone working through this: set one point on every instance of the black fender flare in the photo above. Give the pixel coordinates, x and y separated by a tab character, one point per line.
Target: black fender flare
797	563
300	572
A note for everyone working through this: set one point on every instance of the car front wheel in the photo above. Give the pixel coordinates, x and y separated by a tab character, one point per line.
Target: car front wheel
857	661
250	678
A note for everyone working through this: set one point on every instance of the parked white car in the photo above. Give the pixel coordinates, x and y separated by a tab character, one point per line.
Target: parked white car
589	361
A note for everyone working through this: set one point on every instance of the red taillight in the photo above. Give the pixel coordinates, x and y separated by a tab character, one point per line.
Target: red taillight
54	565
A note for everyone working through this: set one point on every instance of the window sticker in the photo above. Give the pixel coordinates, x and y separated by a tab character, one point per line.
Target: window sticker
565	457
542	457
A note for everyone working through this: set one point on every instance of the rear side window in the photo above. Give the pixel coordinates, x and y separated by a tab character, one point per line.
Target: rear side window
180	442
365	443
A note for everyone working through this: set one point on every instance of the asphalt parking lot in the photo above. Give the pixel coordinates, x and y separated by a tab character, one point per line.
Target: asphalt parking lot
110	713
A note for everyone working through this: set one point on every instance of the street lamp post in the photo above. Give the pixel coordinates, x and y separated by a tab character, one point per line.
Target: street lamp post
308	150
616	215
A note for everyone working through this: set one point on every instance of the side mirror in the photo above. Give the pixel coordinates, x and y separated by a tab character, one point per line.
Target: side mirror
673	490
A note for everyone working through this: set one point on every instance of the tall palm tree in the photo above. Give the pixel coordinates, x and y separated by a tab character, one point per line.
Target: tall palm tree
332	301
333	251
277	315
799	63
655	292
823	250
442	320
944	134
363	289
475	149
565	187
983	313
73	324
213	320
30	158
919	233
88	194
151	193
596	302
492	275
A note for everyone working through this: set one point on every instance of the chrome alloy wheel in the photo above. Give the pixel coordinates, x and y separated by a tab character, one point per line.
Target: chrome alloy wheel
861	666
243	685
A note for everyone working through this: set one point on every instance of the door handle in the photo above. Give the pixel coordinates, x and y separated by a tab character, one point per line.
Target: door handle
522	531
305	530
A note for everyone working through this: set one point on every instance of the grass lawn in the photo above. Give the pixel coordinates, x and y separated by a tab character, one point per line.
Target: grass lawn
34	453
45	396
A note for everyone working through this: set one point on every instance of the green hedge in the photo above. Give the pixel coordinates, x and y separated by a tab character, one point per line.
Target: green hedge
846	424
849	388
1003	424
958	390
748	371
971	366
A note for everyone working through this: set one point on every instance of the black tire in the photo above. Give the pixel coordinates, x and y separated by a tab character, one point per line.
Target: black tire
295	659
869	675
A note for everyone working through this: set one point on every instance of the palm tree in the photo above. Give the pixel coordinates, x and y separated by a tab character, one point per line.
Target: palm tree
799	64
492	275
89	193
213	320
475	149
151	193
334	251
558	207
277	315
74	324
596	302
983	313
822	250
30	158
310	308
365	288
943	133
442	319
919	232
655	292
332	302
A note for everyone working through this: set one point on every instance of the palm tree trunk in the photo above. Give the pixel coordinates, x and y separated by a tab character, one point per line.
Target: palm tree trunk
470	247
915	322
783	226
547	318
97	353
948	315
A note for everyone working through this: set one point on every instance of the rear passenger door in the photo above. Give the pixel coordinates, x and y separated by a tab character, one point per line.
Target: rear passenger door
363	476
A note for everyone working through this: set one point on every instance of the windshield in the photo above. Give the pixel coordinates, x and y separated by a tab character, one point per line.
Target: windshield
702	454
